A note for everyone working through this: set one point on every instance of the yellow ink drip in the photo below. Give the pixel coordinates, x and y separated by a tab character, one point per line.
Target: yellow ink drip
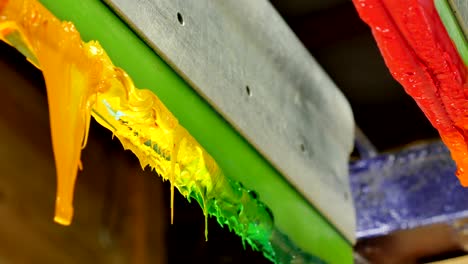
82	82
66	85
174	155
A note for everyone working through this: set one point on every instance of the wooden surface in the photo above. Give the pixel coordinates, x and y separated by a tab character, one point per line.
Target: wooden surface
413	246
459	260
119	215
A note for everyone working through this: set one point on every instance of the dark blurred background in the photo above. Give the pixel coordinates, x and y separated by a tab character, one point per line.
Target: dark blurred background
335	35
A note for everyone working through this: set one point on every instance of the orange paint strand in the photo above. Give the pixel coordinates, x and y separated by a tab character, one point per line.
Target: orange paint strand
66	83
78	74
79	77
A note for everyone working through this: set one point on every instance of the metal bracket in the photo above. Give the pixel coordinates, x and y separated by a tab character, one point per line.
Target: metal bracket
407	189
247	63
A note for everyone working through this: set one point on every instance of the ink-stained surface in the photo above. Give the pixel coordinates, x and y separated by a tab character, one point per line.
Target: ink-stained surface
80	80
293	215
122	216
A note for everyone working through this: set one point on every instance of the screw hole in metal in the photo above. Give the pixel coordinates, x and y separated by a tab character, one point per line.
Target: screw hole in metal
180	18
247	89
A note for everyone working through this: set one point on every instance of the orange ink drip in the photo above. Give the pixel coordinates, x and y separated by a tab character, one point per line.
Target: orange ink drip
66	84
82	81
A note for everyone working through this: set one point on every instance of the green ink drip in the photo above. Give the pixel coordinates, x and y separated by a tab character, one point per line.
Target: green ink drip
232	204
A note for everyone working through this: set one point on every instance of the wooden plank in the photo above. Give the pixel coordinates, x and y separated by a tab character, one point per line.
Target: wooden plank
459	260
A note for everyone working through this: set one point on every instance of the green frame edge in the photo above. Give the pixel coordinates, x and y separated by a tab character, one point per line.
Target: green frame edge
294	216
453	28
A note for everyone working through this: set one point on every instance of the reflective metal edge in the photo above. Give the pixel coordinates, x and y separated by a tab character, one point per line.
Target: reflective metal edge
246	62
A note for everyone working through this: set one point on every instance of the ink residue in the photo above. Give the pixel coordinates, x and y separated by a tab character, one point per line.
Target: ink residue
82	82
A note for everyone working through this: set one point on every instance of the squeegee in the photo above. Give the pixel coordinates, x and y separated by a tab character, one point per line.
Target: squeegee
218	97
